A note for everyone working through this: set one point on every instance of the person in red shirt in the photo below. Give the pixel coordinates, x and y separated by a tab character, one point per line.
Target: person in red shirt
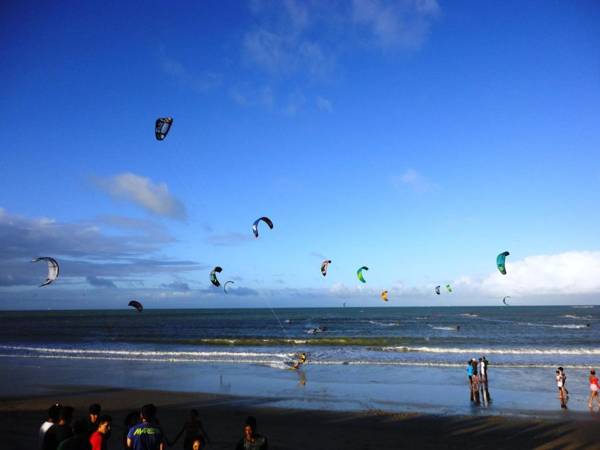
100	436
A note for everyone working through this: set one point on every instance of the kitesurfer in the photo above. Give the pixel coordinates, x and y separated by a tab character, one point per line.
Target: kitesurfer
300	361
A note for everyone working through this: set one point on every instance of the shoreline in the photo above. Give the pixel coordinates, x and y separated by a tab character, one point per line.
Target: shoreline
292	428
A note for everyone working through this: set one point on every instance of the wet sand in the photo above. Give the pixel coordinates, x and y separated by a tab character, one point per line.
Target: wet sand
223	416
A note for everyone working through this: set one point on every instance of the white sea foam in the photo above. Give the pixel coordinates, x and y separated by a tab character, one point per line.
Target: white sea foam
576	317
498	351
443	328
383	324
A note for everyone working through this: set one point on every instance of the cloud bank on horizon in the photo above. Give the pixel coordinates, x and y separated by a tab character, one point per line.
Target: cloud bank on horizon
91	257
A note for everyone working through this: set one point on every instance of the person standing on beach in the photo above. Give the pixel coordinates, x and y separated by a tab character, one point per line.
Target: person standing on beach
53	414
564	381
100	436
470	375
146	435
483	379
594	388
93	414
252	440
61	430
80	439
475	382
193	429
561	392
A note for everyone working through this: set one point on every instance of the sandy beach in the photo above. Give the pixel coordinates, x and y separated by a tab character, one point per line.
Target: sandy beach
223	417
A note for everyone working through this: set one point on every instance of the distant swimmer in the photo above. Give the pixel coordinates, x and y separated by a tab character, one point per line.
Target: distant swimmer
287	321
457	327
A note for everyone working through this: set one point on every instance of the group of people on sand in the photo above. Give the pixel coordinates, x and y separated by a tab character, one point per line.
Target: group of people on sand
563	393
141	431
477	371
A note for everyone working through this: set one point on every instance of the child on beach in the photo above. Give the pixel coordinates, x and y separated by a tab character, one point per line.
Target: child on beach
594	388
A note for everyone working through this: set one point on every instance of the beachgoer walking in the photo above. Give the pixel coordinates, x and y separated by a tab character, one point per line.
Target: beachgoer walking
80	439
93	414
252	440
561	392
194	430
146	435
594	388
61	430
53	413
100	436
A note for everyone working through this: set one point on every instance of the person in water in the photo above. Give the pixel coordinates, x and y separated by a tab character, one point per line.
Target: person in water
251	439
300	361
194	431
594	388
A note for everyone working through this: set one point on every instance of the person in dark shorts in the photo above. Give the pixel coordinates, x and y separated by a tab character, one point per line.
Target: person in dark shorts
61	430
193	430
146	435
80	439
100	436
252	440
93	414
53	413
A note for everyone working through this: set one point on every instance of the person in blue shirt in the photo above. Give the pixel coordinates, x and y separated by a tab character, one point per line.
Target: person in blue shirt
146	435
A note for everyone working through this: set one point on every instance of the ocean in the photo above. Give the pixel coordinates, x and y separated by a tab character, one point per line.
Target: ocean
367	358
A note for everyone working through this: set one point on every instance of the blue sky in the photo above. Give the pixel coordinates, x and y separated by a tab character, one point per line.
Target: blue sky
419	138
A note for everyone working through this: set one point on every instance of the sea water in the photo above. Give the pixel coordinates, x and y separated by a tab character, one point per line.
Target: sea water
367	358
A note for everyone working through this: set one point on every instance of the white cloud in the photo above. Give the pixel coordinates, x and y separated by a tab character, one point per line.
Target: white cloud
153	197
396	23
323	104
200	82
412	179
569	273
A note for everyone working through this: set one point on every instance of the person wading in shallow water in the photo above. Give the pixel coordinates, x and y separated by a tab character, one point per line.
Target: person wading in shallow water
251	439
594	388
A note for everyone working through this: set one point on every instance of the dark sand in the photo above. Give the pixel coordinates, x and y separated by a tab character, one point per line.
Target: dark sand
223	418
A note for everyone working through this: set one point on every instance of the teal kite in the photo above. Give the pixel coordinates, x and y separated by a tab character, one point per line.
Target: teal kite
501	262
359	273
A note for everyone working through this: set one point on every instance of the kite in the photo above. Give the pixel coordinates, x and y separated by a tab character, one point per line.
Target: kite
449	288
384	296
324	266
255	225
359	273
213	276
437	290
504	300
53	269
162	127
501	262
137	305
225	285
